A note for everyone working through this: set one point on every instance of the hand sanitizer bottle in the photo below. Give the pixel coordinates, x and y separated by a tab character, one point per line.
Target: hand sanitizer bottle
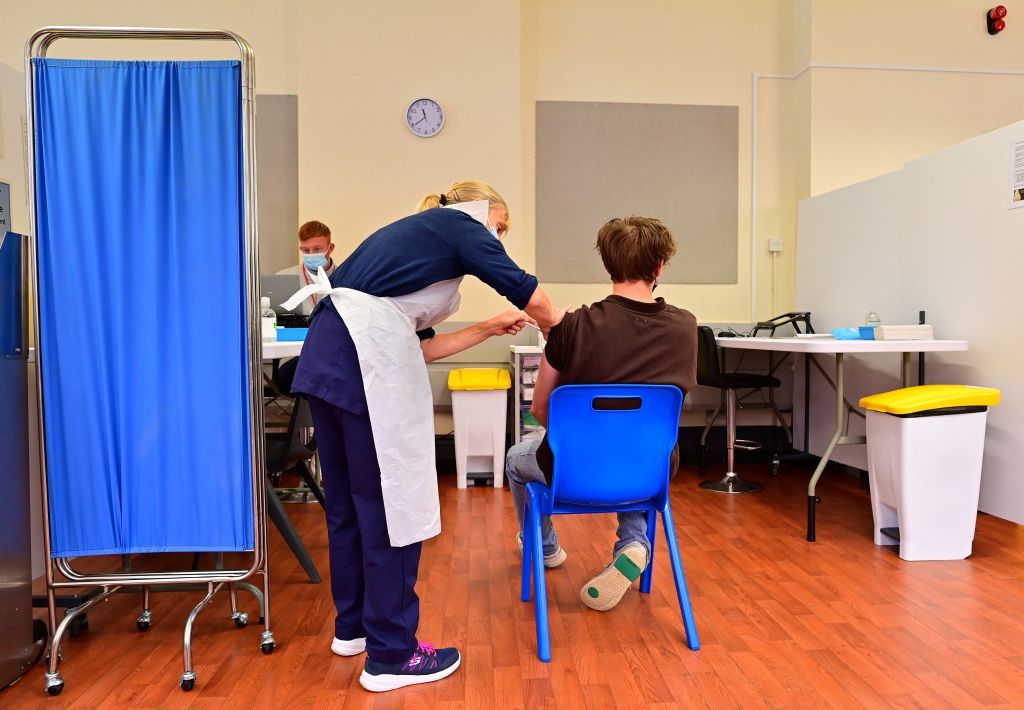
872	320
268	321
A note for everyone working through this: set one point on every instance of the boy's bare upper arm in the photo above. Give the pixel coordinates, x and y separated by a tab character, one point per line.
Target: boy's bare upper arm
547	381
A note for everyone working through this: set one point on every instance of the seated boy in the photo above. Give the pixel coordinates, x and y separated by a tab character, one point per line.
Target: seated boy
628	338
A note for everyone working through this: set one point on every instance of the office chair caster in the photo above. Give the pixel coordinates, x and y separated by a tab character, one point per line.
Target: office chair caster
188	681
773	467
267	643
54	684
144	621
241	619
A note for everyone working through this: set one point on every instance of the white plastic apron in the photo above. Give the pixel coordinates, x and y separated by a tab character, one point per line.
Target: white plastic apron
398	396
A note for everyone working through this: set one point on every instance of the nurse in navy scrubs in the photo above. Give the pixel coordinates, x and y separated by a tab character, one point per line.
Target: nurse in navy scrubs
363	369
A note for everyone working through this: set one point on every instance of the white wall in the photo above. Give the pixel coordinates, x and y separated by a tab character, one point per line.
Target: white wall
934	236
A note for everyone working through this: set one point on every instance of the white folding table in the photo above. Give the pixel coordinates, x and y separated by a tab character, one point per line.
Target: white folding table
839	348
275	349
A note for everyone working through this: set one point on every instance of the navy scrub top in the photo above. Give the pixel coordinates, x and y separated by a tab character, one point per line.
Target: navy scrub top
401	258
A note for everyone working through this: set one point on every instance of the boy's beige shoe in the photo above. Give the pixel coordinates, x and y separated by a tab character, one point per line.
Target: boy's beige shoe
606	589
555	559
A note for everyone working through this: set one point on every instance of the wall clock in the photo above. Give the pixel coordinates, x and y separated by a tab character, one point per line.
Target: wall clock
424	117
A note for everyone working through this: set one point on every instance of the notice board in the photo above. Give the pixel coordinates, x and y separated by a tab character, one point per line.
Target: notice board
596	161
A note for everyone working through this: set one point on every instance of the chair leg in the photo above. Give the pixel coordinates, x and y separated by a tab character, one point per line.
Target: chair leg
540	595
311	483
277	514
527	572
730	482
652	524
677	572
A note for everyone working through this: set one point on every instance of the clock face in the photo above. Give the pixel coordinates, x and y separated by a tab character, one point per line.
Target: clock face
425	117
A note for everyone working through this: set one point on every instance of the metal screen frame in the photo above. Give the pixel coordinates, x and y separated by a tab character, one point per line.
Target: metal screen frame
37	46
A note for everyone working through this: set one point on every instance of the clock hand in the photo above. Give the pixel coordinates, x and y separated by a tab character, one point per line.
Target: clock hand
424	113
420	121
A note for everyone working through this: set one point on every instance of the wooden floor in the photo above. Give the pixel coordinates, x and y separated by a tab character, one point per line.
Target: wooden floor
783	623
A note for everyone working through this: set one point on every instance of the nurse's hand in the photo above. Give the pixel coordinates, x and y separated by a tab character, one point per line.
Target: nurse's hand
444	344
559	315
508	323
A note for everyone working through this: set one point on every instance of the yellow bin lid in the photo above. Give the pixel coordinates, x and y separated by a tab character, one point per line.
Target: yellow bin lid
479	378
911	400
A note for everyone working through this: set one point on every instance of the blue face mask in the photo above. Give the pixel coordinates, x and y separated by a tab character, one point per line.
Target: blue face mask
494	232
313	262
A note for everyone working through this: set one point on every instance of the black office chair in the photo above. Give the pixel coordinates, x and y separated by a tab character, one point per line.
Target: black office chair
709	373
287	453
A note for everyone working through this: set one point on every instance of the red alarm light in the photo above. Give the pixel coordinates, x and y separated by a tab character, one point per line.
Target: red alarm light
994	20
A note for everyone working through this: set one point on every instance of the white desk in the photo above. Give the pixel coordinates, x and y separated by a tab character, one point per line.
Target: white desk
839	348
280	348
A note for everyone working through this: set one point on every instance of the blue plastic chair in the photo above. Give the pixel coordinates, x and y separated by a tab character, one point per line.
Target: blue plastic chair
612	446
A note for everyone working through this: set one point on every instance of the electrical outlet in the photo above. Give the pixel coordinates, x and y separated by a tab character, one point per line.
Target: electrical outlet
774	245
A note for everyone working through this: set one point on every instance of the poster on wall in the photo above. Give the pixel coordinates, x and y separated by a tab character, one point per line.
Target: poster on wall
1017	173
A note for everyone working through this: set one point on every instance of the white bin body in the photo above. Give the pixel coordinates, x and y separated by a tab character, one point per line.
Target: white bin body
925	477
480	433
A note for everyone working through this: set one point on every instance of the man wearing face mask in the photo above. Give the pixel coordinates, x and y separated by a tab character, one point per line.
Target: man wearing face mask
315	248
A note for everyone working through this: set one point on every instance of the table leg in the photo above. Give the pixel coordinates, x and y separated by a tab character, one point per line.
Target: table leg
807	404
812	498
906	370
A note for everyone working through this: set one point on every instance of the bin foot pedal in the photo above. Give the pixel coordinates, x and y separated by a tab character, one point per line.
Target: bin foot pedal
893	533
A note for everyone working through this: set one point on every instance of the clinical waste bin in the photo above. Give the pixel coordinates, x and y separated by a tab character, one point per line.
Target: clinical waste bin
925	446
479	408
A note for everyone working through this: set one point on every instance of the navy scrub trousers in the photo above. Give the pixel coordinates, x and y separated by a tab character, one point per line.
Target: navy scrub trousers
372	582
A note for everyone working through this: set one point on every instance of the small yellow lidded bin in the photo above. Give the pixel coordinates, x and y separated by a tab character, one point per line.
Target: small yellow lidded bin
480	410
472	379
925	449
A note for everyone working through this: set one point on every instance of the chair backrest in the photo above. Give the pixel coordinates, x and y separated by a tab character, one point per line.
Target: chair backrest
708	370
612	443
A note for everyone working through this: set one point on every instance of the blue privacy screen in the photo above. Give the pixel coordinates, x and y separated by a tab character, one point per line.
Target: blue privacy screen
139	182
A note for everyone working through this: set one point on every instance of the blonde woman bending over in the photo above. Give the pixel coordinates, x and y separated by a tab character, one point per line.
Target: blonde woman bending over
363	371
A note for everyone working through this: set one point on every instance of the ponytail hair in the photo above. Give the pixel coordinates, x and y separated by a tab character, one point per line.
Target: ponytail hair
429	202
462	191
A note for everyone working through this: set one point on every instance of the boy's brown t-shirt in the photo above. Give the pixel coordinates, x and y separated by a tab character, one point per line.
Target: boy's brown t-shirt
622	341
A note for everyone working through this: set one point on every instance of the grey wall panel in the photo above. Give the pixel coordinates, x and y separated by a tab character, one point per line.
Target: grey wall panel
277	159
596	161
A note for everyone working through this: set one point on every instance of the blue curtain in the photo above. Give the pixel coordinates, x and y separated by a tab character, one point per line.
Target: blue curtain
141	261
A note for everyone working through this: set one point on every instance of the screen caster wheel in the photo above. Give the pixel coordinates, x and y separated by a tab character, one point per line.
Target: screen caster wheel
54	684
